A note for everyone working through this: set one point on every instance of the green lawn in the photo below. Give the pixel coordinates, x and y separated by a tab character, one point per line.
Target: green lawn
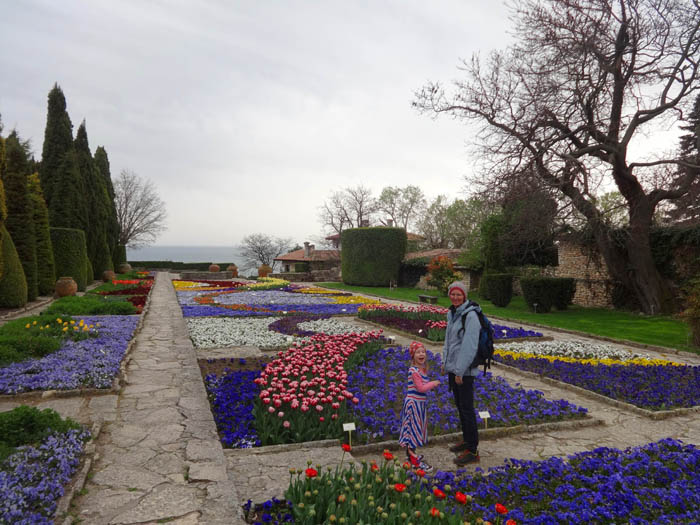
654	330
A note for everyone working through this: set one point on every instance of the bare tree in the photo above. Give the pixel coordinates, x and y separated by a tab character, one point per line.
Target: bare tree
401	205
582	81
348	208
140	211
434	225
260	248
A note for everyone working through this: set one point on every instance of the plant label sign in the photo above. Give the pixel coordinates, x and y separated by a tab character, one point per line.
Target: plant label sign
485	416
347	427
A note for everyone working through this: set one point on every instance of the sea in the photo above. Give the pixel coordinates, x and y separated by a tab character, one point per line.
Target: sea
211	254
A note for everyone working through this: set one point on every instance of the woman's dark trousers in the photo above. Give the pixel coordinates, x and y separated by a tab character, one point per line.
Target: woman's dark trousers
464	399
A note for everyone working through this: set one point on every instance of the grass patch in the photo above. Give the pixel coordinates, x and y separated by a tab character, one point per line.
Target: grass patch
90	305
657	330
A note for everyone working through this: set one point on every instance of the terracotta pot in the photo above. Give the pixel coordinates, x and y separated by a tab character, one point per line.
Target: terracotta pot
214	268
124	268
108	276
233	269
264	270
66	286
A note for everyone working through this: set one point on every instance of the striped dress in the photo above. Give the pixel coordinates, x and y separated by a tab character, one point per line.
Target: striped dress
414	415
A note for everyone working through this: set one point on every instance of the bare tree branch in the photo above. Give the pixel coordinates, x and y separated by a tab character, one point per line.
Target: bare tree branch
140	211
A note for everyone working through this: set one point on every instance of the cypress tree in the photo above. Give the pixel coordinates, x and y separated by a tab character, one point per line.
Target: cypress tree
13	284
19	222
102	162
58	140
46	273
69	195
3	208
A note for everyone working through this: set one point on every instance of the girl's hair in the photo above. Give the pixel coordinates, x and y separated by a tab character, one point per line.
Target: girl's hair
415	345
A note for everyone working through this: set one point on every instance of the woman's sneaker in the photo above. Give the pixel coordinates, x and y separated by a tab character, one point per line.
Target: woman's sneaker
467	457
458	447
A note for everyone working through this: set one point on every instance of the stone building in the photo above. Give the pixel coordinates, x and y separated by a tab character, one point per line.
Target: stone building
309	264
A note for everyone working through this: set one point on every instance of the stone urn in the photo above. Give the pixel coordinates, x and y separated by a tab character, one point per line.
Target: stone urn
233	269
214	268
124	268
66	286
264	270
108	276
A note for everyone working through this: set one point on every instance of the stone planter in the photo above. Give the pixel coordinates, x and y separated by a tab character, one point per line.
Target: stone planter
124	268
66	286
108	276
264	270
233	269
214	268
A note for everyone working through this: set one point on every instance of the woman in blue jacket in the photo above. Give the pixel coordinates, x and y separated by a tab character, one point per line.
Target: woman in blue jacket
458	354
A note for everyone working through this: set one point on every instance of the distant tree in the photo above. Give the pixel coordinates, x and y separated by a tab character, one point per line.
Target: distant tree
580	84
259	248
46	272
348	208
140	211
102	162
401	205
97	205
19	222
434	225
58	141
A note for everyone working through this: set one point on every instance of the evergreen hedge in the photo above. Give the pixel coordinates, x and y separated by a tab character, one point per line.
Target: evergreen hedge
500	288
119	256
13	284
46	270
70	254
372	256
546	292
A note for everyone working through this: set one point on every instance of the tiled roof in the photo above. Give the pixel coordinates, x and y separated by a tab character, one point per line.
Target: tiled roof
409	236
449	252
316	255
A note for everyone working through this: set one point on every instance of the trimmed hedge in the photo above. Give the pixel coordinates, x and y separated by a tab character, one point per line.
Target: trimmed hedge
25	425
175	265
70	254
500	288
372	256
89	305
13	283
46	271
119	255
483	289
546	292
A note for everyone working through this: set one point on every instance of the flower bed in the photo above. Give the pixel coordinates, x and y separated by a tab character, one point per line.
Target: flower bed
427	321
656	483
373	383
32	479
645	383
88	363
260	301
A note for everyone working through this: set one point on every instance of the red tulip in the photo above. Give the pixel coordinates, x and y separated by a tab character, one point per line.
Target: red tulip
461	498
420	472
400	487
311	473
346	447
388	455
511	522
434	512
501	509
438	493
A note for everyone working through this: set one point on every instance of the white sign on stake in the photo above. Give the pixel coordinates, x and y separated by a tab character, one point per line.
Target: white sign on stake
347	427
485	416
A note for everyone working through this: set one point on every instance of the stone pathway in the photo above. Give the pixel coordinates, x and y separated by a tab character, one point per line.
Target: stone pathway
159	458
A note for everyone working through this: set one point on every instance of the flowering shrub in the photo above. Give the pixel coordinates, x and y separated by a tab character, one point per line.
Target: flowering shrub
649	384
32	479
441	273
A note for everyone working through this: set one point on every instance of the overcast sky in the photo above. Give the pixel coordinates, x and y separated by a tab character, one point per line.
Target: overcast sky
247	115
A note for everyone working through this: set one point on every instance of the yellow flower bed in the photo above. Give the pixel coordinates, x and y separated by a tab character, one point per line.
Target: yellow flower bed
181	285
551	358
354	299
267	281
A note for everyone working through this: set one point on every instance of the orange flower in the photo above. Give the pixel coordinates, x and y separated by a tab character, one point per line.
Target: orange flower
438	493
400	487
461	498
420	472
346	447
388	455
434	512
511	522
406	465
501	509
311	472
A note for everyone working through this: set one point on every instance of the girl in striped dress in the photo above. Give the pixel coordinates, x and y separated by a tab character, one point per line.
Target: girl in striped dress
414	415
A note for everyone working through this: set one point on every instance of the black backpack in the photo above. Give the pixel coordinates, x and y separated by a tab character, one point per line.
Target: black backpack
484	352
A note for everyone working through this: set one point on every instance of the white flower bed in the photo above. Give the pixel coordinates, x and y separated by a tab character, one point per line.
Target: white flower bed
218	332
267	297
328	326
572	348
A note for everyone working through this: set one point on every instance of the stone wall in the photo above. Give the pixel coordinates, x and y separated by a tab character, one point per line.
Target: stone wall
211	276
593	283
327	275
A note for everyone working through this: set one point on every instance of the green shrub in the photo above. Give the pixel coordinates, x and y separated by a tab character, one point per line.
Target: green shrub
441	273
691	314
412	270
13	284
301	267
565	289
372	256
46	271
484	286
500	288
90	305
539	293
14	348
26	425
89	274
119	255
70	254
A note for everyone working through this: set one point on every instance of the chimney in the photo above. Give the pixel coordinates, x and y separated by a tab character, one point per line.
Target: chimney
312	247
390	223
364	223
307	249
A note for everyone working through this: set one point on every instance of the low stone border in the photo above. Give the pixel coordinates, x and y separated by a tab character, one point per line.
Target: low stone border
651	414
117	383
440	343
485	434
78	481
13	313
